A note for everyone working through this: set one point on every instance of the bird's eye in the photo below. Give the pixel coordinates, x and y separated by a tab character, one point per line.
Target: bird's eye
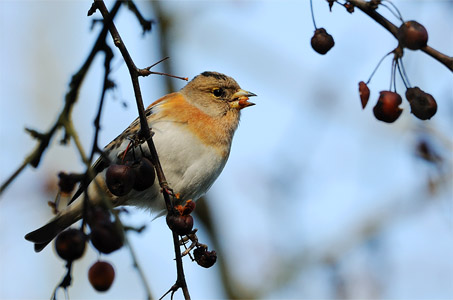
218	92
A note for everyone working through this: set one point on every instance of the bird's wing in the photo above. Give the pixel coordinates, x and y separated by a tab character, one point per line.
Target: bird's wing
103	161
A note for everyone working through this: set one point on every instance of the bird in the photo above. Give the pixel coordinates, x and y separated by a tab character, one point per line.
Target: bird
192	131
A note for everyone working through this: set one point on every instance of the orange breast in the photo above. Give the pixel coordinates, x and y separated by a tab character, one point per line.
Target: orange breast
215	132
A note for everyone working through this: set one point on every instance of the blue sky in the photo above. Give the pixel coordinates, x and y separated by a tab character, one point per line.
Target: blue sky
312	179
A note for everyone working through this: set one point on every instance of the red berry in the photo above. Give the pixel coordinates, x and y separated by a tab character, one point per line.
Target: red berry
70	244
205	258
364	92
423	105
119	179
412	35
101	275
144	174
321	41
386	109
181	225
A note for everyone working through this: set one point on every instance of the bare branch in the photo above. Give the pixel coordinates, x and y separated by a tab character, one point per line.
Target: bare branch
64	117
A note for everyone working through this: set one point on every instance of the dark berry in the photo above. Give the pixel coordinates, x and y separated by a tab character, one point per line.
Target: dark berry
423	105
321	41
106	236
66	182
364	93
120	179
205	258
412	35
387	108
181	225
101	275
144	174
70	244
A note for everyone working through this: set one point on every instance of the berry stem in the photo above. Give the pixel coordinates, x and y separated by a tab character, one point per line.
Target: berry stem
397	14
379	63
393	75
404	74
401	74
312	14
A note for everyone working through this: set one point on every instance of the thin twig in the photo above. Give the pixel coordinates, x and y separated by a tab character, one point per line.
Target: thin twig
70	99
139	269
146	24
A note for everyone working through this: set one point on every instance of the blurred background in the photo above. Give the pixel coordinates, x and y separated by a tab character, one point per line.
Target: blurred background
319	200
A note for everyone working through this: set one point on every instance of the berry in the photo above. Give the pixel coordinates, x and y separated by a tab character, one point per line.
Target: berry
101	275
106	236
120	179
66	182
205	258
321	41
364	93
423	105
181	225
412	35
70	244
386	109
144	174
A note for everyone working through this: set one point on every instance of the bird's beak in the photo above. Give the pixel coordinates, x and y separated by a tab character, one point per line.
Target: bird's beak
240	99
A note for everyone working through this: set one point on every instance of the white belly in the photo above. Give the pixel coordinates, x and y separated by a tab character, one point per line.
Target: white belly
190	167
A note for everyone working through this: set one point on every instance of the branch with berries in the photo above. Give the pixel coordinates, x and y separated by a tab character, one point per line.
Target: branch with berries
410	35
106	232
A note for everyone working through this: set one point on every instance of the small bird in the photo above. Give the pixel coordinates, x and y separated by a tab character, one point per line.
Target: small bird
192	131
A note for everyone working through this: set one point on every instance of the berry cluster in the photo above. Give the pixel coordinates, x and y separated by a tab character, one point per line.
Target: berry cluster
414	36
106	233
181	222
138	175
411	35
106	236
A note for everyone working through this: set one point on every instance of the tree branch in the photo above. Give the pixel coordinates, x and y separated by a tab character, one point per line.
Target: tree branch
370	10
146	134
64	117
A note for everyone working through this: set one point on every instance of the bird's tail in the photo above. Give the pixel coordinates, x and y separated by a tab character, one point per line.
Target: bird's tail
44	235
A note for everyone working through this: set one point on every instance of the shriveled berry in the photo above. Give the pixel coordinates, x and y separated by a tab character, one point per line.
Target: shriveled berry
106	236
321	41
423	105
205	258
101	275
144	174
120	179
364	93
70	244
387	108
181	225
412	35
